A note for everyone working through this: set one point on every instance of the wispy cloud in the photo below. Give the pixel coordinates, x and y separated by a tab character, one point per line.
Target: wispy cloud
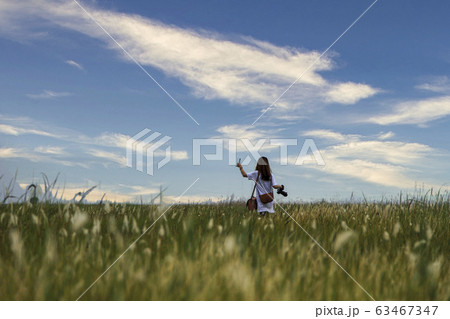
138	190
332	136
52	150
106	139
36	155
415	112
9	152
75	64
109	156
122	193
47	94
349	93
109	192
107	146
242	71
437	84
121	159
237	131
380	151
386	136
253	134
387	163
16	130
174	155
24	125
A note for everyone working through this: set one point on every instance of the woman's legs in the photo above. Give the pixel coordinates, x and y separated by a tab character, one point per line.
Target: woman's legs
262	214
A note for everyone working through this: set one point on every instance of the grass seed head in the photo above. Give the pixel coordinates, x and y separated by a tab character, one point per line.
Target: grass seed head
397	229
229	244
16	244
79	219
211	223
161	232
342	239
429	232
434	269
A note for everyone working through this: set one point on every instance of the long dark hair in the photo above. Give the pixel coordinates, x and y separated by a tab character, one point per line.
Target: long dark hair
263	167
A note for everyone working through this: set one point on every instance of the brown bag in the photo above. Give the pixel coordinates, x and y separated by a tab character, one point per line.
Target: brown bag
251	204
266	198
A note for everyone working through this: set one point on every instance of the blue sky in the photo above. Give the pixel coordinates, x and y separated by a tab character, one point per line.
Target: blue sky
377	104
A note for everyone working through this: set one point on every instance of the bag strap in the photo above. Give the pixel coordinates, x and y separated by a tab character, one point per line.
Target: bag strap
255	186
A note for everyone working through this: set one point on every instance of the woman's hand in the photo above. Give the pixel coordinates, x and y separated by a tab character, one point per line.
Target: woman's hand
243	173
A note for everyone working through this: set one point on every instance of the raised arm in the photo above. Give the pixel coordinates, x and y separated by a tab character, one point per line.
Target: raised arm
244	174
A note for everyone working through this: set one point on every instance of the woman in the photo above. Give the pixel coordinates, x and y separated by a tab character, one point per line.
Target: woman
264	182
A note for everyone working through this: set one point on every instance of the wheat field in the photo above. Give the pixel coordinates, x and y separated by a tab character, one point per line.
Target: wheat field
394	250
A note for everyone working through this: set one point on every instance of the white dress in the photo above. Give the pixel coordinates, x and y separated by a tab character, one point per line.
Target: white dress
263	187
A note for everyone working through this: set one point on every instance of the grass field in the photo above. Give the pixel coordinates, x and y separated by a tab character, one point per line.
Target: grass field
396	251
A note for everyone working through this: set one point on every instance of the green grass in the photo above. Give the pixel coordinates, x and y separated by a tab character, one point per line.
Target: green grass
396	251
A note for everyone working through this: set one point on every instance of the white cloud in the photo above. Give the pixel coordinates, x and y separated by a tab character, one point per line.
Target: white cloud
380	151
237	131
23	126
120	193
15	130
9	152
372	172
97	194
75	64
174	155
107	139
247	132
118	140
349	93
438	84
139	190
415	112
129	194
386	136
242	71
47	94
53	150
110	156
331	136
388	163
77	140
37	156
121	159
